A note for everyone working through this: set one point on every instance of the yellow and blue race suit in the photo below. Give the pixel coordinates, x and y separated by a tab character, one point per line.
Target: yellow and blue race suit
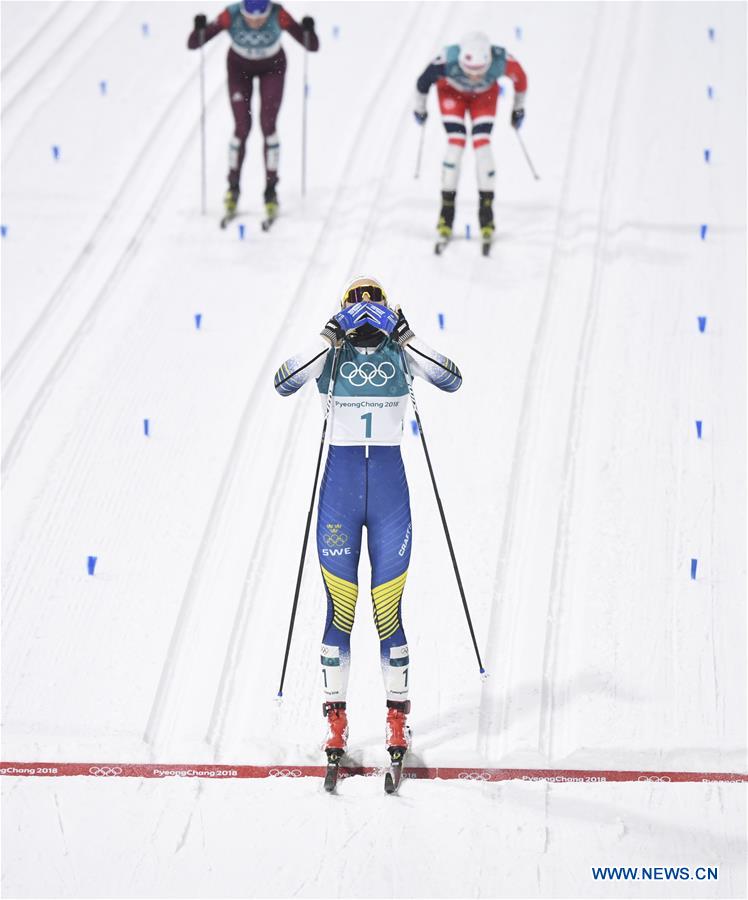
364	484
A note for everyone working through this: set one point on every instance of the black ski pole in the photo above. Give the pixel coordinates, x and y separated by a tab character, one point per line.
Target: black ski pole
328	406
527	156
303	120
409	379
202	121
420	151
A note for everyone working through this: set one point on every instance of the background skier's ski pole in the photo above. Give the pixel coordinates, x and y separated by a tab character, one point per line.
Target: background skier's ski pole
527	157
328	406
303	123
202	120
420	151
409	379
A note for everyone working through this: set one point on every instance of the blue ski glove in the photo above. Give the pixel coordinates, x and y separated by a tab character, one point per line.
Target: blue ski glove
381	317
518	116
419	116
348	318
352	316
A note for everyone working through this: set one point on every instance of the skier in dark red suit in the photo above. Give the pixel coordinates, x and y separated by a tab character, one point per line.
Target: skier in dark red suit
255	27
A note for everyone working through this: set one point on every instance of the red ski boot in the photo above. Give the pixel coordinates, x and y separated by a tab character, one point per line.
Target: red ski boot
337	727
398	741
337	735
398	733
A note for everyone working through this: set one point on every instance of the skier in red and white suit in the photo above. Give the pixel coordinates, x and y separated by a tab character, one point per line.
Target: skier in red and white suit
466	77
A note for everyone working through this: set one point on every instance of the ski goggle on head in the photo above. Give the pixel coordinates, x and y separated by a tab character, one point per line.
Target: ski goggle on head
363	290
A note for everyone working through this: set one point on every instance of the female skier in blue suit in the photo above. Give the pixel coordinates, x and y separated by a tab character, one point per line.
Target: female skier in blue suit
364	484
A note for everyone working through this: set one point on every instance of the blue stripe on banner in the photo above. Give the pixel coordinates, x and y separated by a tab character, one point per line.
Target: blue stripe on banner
330	661
402	661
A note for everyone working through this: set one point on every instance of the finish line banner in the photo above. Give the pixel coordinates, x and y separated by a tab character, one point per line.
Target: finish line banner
553	776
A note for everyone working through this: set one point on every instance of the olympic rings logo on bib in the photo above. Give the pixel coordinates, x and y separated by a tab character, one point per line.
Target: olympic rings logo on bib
358	375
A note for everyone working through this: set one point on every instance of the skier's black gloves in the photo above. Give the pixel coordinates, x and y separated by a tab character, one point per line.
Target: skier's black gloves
401	332
518	116
307	24
333	333
200	22
420	117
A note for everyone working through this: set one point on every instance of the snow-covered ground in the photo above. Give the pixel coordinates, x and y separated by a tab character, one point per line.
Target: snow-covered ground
572	476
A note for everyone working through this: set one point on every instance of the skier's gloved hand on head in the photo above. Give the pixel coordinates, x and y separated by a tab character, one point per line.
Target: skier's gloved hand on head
518	116
201	22
348	318
381	317
402	332
333	333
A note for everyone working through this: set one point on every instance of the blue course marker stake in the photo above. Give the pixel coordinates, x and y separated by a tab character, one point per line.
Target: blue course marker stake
102	88
198	320
518	33
707	155
414	426
145	29
467	231
241	231
92	564
55	151
441	321
146	427
703	232
4	230
710	91
711	34
698	428
702	324
694	563
336	31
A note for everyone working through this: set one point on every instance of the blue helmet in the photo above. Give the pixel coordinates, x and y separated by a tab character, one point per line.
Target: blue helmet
255	7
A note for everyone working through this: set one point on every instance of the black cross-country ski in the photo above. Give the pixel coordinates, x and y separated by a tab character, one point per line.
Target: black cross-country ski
267	223
229	217
440	246
486	247
333	767
394	774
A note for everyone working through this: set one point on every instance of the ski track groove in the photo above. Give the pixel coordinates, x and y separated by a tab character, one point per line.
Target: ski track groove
561	545
530	393
58	9
68	283
155	720
86	25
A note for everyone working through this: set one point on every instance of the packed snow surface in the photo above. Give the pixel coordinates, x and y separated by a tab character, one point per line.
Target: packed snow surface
574	482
